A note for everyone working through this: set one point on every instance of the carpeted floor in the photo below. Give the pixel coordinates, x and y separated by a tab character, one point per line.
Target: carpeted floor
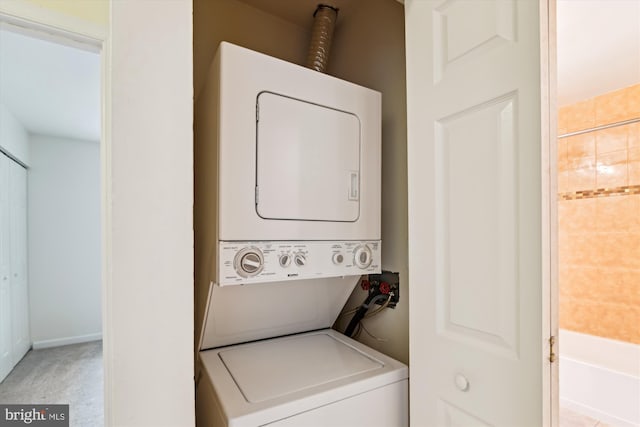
71	374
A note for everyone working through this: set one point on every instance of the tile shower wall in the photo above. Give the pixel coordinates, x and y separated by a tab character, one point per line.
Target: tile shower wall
599	217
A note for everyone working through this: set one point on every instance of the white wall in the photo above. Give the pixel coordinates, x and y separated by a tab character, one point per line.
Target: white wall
149	294
64	241
14	139
147	178
598	47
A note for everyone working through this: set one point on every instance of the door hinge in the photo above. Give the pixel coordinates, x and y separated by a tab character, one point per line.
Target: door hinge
552	354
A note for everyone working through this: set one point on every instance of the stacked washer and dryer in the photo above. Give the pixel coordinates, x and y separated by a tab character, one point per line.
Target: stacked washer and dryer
293	183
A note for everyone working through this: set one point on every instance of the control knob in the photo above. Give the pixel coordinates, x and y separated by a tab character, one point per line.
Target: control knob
249	262
362	256
300	260
284	260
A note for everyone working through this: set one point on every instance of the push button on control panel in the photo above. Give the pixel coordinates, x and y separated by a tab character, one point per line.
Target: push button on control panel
337	258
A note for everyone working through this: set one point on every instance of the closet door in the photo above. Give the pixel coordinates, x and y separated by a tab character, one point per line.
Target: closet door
479	212
6	355
18	242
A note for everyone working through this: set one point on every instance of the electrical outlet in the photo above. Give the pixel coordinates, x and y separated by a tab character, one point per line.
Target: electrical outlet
385	283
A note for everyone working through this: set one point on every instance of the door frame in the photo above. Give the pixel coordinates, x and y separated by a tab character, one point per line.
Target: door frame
550	289
50	25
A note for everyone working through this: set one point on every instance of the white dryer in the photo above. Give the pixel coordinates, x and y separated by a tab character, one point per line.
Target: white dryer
293	197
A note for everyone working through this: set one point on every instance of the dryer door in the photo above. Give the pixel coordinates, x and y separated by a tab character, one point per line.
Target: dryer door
308	161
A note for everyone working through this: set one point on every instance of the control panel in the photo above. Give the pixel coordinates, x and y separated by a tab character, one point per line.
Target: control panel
258	262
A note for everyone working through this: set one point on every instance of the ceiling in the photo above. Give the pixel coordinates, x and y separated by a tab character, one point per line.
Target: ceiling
598	41
54	89
598	47
50	88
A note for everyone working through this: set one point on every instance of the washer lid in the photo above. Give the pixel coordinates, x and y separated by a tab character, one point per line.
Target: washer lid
267	370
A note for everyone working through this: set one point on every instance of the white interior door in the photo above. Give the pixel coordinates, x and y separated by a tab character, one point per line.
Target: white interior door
19	289
477	224
6	359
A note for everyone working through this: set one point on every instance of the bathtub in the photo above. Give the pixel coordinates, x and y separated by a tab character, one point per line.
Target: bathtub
600	378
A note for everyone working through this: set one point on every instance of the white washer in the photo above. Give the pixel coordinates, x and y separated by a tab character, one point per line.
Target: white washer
294	184
316	379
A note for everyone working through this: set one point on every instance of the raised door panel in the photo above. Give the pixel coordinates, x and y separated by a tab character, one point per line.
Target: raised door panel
476	254
19	283
6	354
6	341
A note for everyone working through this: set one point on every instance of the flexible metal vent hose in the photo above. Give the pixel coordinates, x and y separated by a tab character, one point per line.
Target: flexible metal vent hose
321	35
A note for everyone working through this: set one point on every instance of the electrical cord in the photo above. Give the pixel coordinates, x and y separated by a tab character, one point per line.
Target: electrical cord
373	313
354	309
356	334
348	312
382	307
362	310
362	328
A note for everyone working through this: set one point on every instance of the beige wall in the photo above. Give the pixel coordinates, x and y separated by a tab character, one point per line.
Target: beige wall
236	22
368	49
95	11
241	24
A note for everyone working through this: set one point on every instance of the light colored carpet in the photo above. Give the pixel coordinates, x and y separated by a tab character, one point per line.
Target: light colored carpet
71	374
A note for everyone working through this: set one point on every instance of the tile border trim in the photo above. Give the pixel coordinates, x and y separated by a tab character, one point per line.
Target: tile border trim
626	190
